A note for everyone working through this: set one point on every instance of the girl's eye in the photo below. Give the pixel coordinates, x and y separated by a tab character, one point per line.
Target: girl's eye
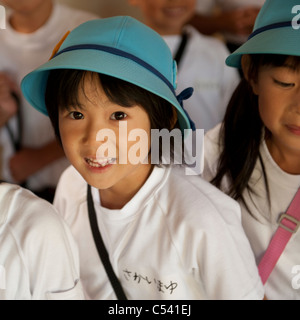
75	115
283	84
118	116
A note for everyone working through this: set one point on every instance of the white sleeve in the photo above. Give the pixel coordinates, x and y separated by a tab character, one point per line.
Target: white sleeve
226	261
37	237
229	269
52	257
70	186
47	248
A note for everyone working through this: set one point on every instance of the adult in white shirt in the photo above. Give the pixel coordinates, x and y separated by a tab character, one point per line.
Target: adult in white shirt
38	256
202	67
30	151
202	64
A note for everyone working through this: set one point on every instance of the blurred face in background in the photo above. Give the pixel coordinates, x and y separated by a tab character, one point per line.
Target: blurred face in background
167	17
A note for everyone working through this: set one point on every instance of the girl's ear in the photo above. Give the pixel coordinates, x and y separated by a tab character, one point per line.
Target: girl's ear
246	63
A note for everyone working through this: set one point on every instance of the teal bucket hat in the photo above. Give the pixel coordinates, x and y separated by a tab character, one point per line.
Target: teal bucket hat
121	47
276	31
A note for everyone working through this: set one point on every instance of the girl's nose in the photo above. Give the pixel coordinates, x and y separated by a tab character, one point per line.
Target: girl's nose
91	132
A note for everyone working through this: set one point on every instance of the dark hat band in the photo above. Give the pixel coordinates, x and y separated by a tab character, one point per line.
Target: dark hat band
183	96
120	53
270	27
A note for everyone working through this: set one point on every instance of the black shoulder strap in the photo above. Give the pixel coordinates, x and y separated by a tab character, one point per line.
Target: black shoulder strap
101	248
181	48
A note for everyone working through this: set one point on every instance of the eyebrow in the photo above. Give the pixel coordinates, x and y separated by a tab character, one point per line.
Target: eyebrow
72	106
289	66
292	67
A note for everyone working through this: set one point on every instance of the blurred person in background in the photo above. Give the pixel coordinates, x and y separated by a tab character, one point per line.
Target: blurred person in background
234	19
200	59
31	156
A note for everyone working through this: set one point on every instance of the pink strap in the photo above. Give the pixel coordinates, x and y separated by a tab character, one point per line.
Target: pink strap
288	224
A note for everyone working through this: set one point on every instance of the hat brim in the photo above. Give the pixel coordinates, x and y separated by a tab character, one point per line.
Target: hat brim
275	41
34	84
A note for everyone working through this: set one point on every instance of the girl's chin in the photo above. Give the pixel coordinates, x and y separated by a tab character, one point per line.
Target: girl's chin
99	183
96	177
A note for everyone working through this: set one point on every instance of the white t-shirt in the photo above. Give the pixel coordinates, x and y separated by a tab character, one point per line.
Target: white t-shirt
203	68
207	7
38	255
20	54
178	238
262	224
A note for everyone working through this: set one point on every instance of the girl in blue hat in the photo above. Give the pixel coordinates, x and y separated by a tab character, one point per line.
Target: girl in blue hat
254	155
144	230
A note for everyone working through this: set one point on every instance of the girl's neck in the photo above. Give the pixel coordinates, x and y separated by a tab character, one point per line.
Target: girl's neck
30	22
116	197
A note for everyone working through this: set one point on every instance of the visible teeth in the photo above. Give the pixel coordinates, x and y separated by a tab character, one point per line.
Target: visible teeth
100	163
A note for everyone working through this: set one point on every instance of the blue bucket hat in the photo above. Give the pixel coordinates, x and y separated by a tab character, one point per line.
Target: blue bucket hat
276	31
121	47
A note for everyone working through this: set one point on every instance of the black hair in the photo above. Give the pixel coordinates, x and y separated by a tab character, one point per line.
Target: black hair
63	89
242	131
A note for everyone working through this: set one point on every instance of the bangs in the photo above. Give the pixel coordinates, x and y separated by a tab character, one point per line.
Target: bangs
276	60
271	60
66	87
69	84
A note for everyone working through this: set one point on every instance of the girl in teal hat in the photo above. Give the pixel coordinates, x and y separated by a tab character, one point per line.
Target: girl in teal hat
254	155
166	235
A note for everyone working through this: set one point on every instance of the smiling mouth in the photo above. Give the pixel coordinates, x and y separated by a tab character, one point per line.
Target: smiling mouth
174	11
100	163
